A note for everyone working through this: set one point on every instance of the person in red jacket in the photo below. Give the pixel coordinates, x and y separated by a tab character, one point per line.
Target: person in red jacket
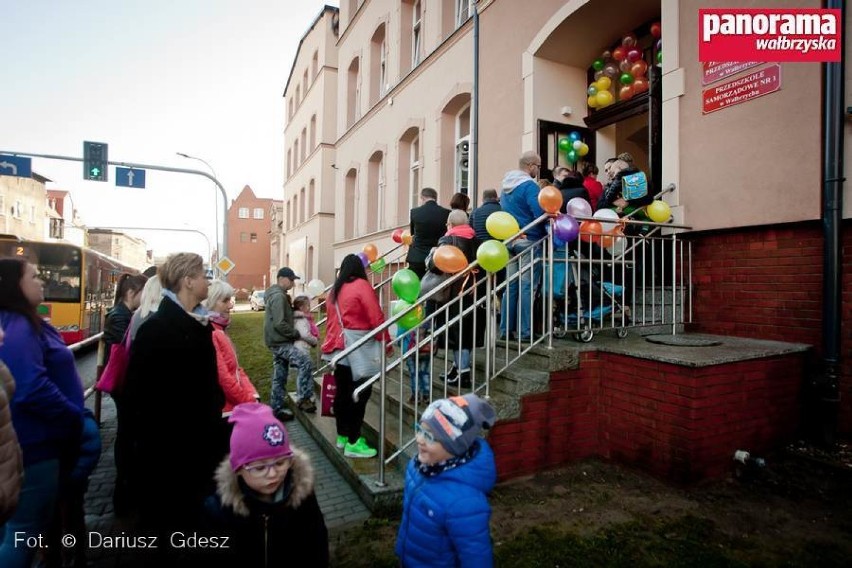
354	297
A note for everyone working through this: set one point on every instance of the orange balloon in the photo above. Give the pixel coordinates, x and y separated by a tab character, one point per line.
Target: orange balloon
590	231
640	85
606	241
371	251
449	259
406	238
550	199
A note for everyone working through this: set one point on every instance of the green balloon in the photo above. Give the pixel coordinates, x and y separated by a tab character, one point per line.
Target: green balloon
492	255
598	64
626	78
378	265
572	156
564	144
406	285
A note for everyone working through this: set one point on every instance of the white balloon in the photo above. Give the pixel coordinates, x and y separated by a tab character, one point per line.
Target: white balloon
607	218
577	206
315	287
619	244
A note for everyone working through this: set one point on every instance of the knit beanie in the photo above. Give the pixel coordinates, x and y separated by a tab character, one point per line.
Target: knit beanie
456	422
257	435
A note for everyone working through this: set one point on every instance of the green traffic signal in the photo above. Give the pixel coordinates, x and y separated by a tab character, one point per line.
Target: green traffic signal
95	161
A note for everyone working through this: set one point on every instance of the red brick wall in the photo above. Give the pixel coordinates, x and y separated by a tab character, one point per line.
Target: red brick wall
677	422
766	283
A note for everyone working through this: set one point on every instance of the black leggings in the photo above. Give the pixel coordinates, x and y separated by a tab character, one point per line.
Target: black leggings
348	413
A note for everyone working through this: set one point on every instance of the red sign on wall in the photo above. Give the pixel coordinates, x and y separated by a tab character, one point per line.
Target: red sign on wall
713	71
748	87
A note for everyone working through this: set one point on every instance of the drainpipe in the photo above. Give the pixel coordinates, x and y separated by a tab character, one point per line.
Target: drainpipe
825	391
474	127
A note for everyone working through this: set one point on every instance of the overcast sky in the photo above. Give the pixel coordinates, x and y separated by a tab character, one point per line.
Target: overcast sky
152	78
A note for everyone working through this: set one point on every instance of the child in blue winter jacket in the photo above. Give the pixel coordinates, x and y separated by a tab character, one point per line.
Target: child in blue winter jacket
445	516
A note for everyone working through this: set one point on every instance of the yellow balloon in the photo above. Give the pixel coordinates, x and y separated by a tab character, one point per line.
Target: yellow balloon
584	149
605	98
501	225
592	101
659	211
603	83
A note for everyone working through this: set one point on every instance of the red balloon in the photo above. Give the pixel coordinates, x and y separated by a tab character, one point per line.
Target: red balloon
619	53
590	231
640	85
625	93
638	69
397	236
657	30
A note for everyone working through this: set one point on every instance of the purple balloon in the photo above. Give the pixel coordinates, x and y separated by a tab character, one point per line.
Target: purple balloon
566	228
364	260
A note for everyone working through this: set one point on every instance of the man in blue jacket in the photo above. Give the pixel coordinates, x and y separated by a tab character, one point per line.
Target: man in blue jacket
520	199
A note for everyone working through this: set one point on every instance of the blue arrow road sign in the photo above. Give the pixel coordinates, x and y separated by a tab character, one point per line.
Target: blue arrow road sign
129	177
16	166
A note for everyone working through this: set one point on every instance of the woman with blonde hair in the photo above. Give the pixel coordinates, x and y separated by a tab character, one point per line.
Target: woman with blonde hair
175	401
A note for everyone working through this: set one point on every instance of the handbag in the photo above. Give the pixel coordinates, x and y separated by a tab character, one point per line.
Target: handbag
365	361
329	390
112	377
431	281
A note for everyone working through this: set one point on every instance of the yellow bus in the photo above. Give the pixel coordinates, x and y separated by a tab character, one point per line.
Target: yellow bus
79	283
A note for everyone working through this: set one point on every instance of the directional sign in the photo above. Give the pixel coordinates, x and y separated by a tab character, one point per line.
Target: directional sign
226	265
129	177
15	166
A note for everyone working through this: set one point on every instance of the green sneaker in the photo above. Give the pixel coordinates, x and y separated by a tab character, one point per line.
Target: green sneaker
359	449
342	441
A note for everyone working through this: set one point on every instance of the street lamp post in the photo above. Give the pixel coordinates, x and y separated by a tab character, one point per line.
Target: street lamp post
215	197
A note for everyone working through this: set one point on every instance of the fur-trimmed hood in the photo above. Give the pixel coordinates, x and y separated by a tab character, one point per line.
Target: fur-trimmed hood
232	497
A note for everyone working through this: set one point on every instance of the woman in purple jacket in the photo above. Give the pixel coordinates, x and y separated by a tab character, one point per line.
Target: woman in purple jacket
47	408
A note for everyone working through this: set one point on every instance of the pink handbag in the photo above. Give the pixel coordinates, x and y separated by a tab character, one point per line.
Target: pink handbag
112	377
329	389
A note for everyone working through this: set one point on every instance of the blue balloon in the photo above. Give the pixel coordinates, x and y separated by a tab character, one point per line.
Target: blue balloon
574	136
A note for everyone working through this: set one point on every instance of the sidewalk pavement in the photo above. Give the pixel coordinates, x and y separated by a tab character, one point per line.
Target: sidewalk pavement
339	503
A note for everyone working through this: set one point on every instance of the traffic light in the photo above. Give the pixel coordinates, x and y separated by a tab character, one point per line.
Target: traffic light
95	161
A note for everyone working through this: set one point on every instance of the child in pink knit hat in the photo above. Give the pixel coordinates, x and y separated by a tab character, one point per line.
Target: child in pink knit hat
265	501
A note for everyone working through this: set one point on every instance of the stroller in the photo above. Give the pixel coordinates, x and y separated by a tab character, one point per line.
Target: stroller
581	300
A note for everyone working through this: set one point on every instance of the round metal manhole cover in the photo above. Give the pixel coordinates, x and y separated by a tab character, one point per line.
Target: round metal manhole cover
682	340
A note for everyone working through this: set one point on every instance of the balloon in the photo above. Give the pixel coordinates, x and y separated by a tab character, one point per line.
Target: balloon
564	144
574	135
610	70
640	85
364	260
657	30
629	40
606	55
406	285
371	251
450	258
606	241
617	246
659	211
604	98
397	236
625	64
626	78
598	75
315	287
603	84
608	219
659	58
565	227
501	225
492	255
550	199
625	93
592	101
378	265
577	144
619	53
590	231
584	149
406	237
598	64
412	318
639	69
577	206
659	45
634	55
572	156
592	90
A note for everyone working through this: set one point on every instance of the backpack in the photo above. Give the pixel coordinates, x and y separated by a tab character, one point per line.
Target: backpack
634	186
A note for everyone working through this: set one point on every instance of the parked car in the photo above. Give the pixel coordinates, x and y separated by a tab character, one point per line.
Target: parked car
256	300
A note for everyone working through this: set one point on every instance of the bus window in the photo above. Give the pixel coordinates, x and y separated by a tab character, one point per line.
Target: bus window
59	267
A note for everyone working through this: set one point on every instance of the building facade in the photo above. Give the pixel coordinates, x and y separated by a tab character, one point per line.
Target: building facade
23	207
131	251
310	97
249	242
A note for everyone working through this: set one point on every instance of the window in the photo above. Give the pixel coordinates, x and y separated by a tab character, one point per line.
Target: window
253	237
462	149
414	177
353	93
313	132
302	204
315	65
289	162
305	82
16	210
462	11
311	198
304	140
298	95
296	161
2	205
287	217
376	192
416	33
32	214
244	237
243	213
350	203
258	212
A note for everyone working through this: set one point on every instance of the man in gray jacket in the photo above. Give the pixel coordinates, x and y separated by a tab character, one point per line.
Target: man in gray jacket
280	335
